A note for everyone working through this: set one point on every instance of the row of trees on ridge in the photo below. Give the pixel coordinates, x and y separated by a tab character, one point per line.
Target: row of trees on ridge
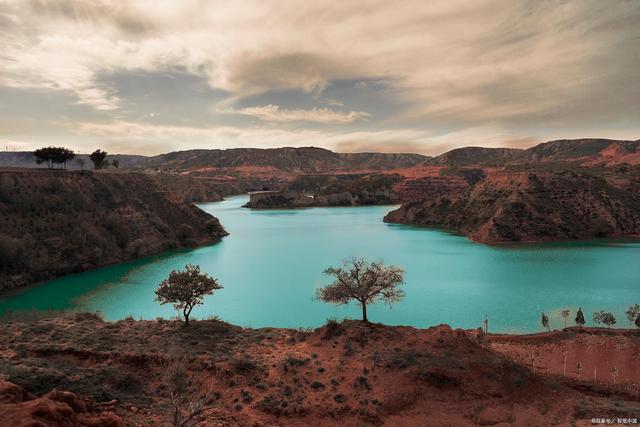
52	156
599	317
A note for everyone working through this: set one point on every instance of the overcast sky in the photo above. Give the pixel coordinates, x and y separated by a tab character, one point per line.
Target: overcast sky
153	76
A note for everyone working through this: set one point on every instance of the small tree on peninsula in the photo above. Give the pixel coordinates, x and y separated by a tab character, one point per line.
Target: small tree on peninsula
545	322
363	281
98	158
580	317
638	321
185	289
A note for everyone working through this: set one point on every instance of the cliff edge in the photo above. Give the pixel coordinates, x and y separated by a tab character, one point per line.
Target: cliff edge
509	206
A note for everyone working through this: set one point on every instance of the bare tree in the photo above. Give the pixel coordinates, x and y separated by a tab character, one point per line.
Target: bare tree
186	289
363	281
186	406
579	369
565	314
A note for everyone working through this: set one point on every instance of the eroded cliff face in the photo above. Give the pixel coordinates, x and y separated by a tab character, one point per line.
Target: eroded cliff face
508	206
54	222
199	189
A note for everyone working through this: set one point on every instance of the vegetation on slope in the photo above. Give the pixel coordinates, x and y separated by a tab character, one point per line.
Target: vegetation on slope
54	222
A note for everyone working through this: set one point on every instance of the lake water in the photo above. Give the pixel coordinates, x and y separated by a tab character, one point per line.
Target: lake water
272	262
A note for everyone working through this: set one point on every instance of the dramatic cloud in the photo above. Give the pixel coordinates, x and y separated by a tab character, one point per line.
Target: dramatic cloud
526	69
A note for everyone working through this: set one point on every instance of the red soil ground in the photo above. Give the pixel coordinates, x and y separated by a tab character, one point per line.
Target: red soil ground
341	374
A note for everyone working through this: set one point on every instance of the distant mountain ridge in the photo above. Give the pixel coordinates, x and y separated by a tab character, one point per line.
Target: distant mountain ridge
304	159
590	151
313	160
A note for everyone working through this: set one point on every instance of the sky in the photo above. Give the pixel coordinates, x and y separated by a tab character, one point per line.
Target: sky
153	76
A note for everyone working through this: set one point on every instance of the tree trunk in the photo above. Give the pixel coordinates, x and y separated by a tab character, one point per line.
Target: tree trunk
186	313
364	313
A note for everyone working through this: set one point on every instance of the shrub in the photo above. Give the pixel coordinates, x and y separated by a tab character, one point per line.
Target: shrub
333	329
316	385
244	366
340	398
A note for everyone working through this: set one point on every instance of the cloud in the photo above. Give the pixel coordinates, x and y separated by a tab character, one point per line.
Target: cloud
273	113
522	66
333	102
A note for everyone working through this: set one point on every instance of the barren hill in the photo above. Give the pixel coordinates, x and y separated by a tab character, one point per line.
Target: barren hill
300	160
341	374
511	206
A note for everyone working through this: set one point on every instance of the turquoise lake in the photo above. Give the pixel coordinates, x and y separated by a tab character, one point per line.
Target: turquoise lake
272	262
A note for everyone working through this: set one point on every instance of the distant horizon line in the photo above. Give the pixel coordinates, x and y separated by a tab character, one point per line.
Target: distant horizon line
6	150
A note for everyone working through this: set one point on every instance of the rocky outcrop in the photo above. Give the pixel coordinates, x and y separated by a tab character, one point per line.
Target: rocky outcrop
330	190
478	155
530	207
279	200
291	199
198	189
55	222
56	408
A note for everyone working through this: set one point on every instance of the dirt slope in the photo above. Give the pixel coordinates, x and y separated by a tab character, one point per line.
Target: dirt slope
340	374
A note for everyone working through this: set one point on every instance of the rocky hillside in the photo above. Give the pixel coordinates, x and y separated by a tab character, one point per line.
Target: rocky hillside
507	206
605	152
586	152
478	156
54	222
301	160
341	374
198	189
